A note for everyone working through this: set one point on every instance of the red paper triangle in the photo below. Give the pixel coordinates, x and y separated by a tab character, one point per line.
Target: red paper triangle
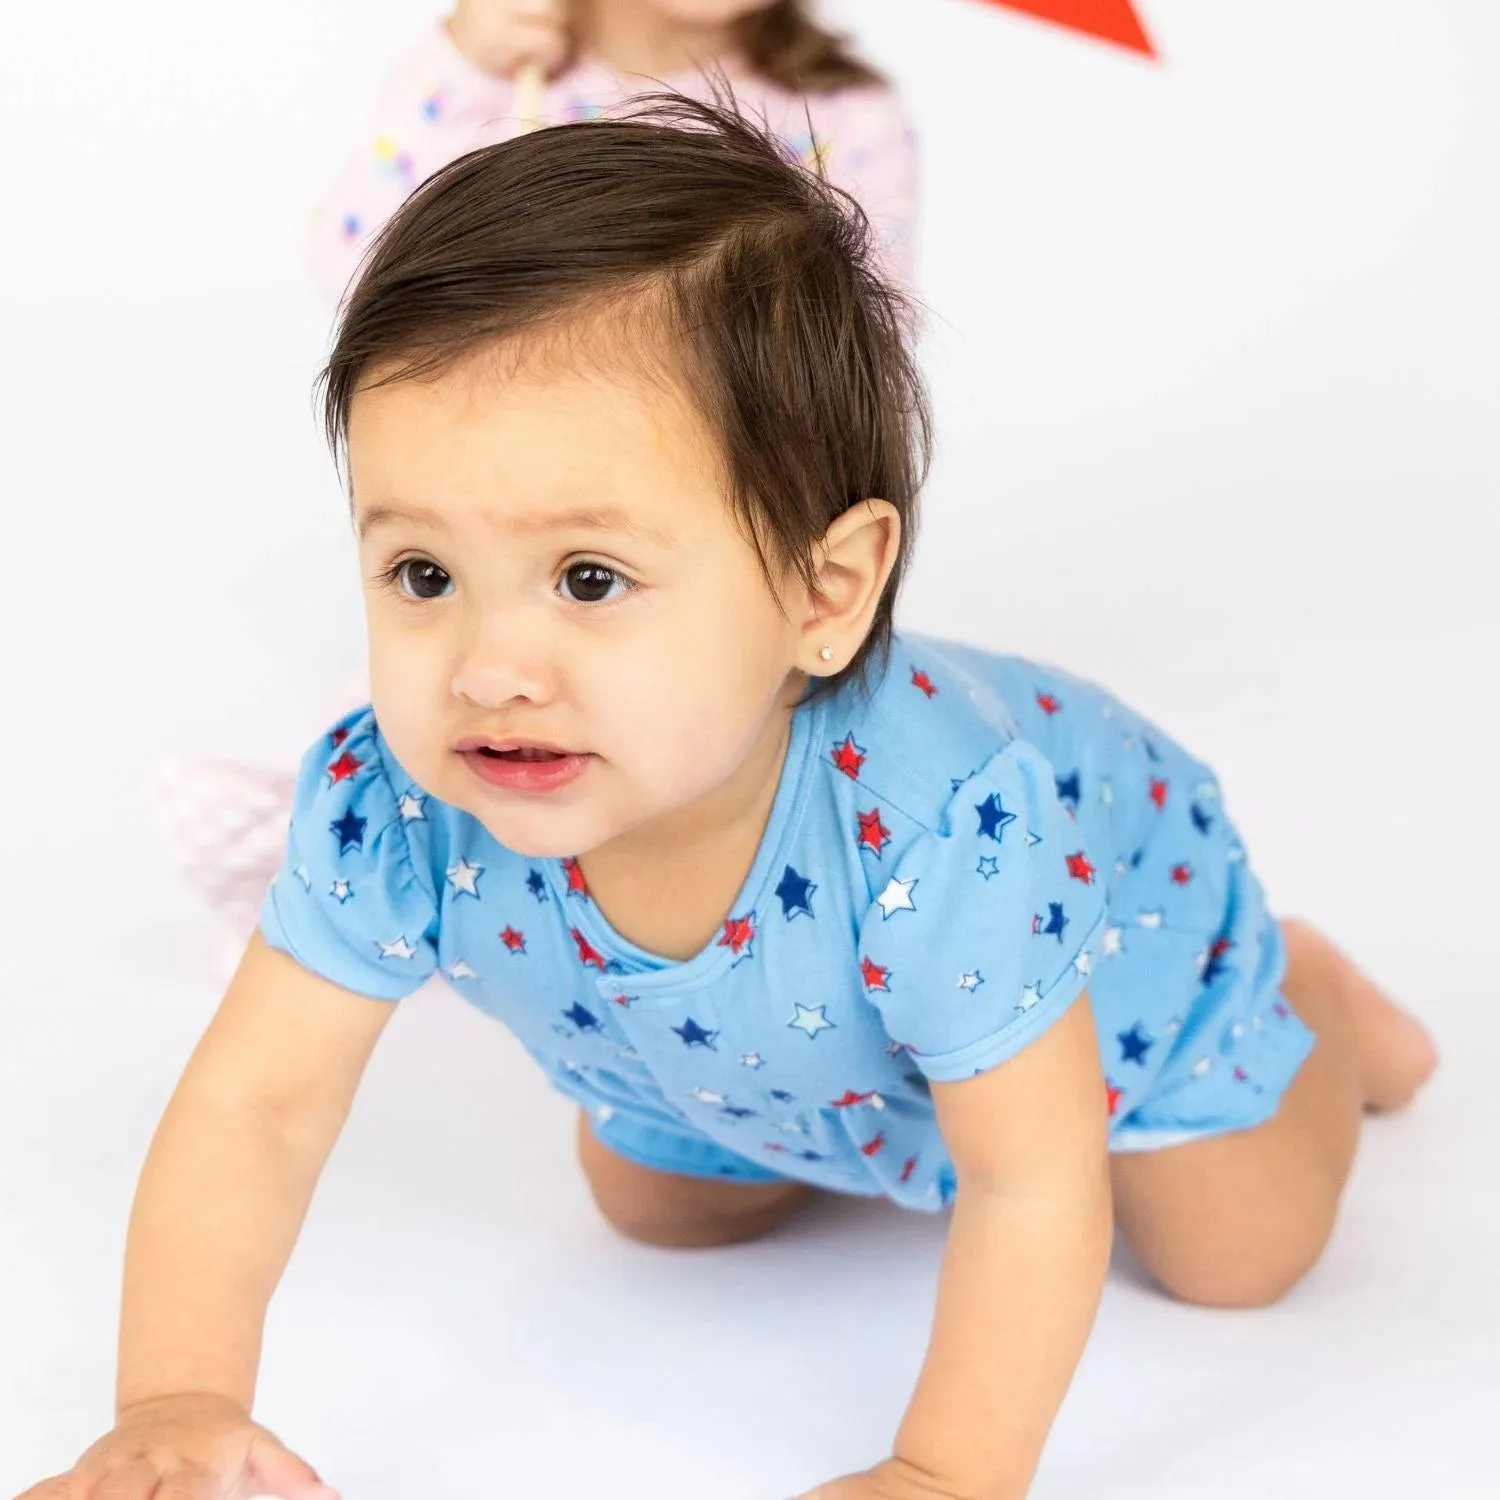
1113	20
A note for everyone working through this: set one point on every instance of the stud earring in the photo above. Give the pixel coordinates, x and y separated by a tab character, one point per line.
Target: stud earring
826	654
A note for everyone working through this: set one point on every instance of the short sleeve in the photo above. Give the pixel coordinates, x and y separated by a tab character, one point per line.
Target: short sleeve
982	936
350	902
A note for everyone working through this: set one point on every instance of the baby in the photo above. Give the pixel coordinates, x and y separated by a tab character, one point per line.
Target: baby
787	902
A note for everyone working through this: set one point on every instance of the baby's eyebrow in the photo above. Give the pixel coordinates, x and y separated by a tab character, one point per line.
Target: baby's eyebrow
579	518
598	518
385	515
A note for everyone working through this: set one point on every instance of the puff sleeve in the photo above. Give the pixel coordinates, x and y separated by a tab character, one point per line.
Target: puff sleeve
983	935
351	902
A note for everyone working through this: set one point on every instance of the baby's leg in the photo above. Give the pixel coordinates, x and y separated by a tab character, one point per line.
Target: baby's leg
1237	1220
677	1211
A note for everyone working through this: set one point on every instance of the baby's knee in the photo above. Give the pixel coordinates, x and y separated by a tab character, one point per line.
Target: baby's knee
1243	1275
685	1220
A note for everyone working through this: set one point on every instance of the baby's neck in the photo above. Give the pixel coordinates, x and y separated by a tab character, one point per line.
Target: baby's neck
668	888
637	37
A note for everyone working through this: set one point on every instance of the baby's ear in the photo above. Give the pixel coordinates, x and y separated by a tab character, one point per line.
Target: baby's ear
852	565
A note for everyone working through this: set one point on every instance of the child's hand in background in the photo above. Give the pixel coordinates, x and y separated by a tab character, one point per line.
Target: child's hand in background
203	1447
503	36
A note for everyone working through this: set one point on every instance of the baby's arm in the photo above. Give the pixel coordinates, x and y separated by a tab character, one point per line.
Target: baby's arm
221	1199
1025	1262
1022	1274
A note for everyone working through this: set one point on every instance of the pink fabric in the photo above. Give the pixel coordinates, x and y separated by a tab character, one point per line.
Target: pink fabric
434	105
228	822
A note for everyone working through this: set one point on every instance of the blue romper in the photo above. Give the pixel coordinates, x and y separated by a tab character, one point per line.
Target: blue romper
950	860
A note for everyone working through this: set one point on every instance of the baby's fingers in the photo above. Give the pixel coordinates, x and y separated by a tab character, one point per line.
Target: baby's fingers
274	1470
59	1487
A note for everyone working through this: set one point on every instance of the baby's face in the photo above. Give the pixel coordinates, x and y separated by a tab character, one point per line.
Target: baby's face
569	636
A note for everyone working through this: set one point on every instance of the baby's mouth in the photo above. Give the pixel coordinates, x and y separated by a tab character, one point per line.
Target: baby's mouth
523	753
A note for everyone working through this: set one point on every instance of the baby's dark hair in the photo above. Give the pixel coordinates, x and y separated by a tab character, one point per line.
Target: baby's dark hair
761	276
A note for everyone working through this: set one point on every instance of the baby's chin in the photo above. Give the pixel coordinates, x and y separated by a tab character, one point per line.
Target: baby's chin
542	832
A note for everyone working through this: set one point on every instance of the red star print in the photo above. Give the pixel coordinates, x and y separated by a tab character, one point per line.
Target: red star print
1110	20
623	999
1159	793
1115	1095
515	941
1241	1076
875	1147
1080	868
873	834
343	768
908	1169
921	680
849	1098
1181	874
738	931
587	953
577	885
1220	948
848	757
1048	704
338	736
1036	924
874	975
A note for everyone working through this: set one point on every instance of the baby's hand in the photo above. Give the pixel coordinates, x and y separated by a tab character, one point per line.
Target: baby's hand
503	36
197	1447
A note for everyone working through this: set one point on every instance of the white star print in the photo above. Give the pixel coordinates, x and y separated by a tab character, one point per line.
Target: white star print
752	1060
1083	965
301	873
708	1096
341	890
895	897
1150	918
604	1114
970	981
1113	941
1106	794
792	1127
1201	1067
410	805
398	949
814	1019
1032	838
464	878
458	969
1029	997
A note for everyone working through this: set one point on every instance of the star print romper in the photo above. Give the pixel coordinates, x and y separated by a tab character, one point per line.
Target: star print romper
950	861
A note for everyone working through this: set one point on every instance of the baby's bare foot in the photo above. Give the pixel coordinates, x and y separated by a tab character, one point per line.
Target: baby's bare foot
1393	1051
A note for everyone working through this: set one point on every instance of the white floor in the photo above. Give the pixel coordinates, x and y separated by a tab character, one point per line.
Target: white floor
1213	348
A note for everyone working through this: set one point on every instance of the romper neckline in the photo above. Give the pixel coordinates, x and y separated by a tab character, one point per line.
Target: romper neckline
635	970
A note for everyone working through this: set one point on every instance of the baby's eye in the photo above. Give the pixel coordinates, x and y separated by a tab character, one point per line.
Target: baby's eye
593	583
420	578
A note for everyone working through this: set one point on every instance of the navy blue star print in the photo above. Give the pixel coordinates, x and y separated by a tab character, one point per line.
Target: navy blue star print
795	893
349	830
1056	921
693	1035
583	1018
993	818
1135	1044
536	885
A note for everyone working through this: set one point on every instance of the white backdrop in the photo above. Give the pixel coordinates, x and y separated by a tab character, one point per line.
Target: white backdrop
1213	350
